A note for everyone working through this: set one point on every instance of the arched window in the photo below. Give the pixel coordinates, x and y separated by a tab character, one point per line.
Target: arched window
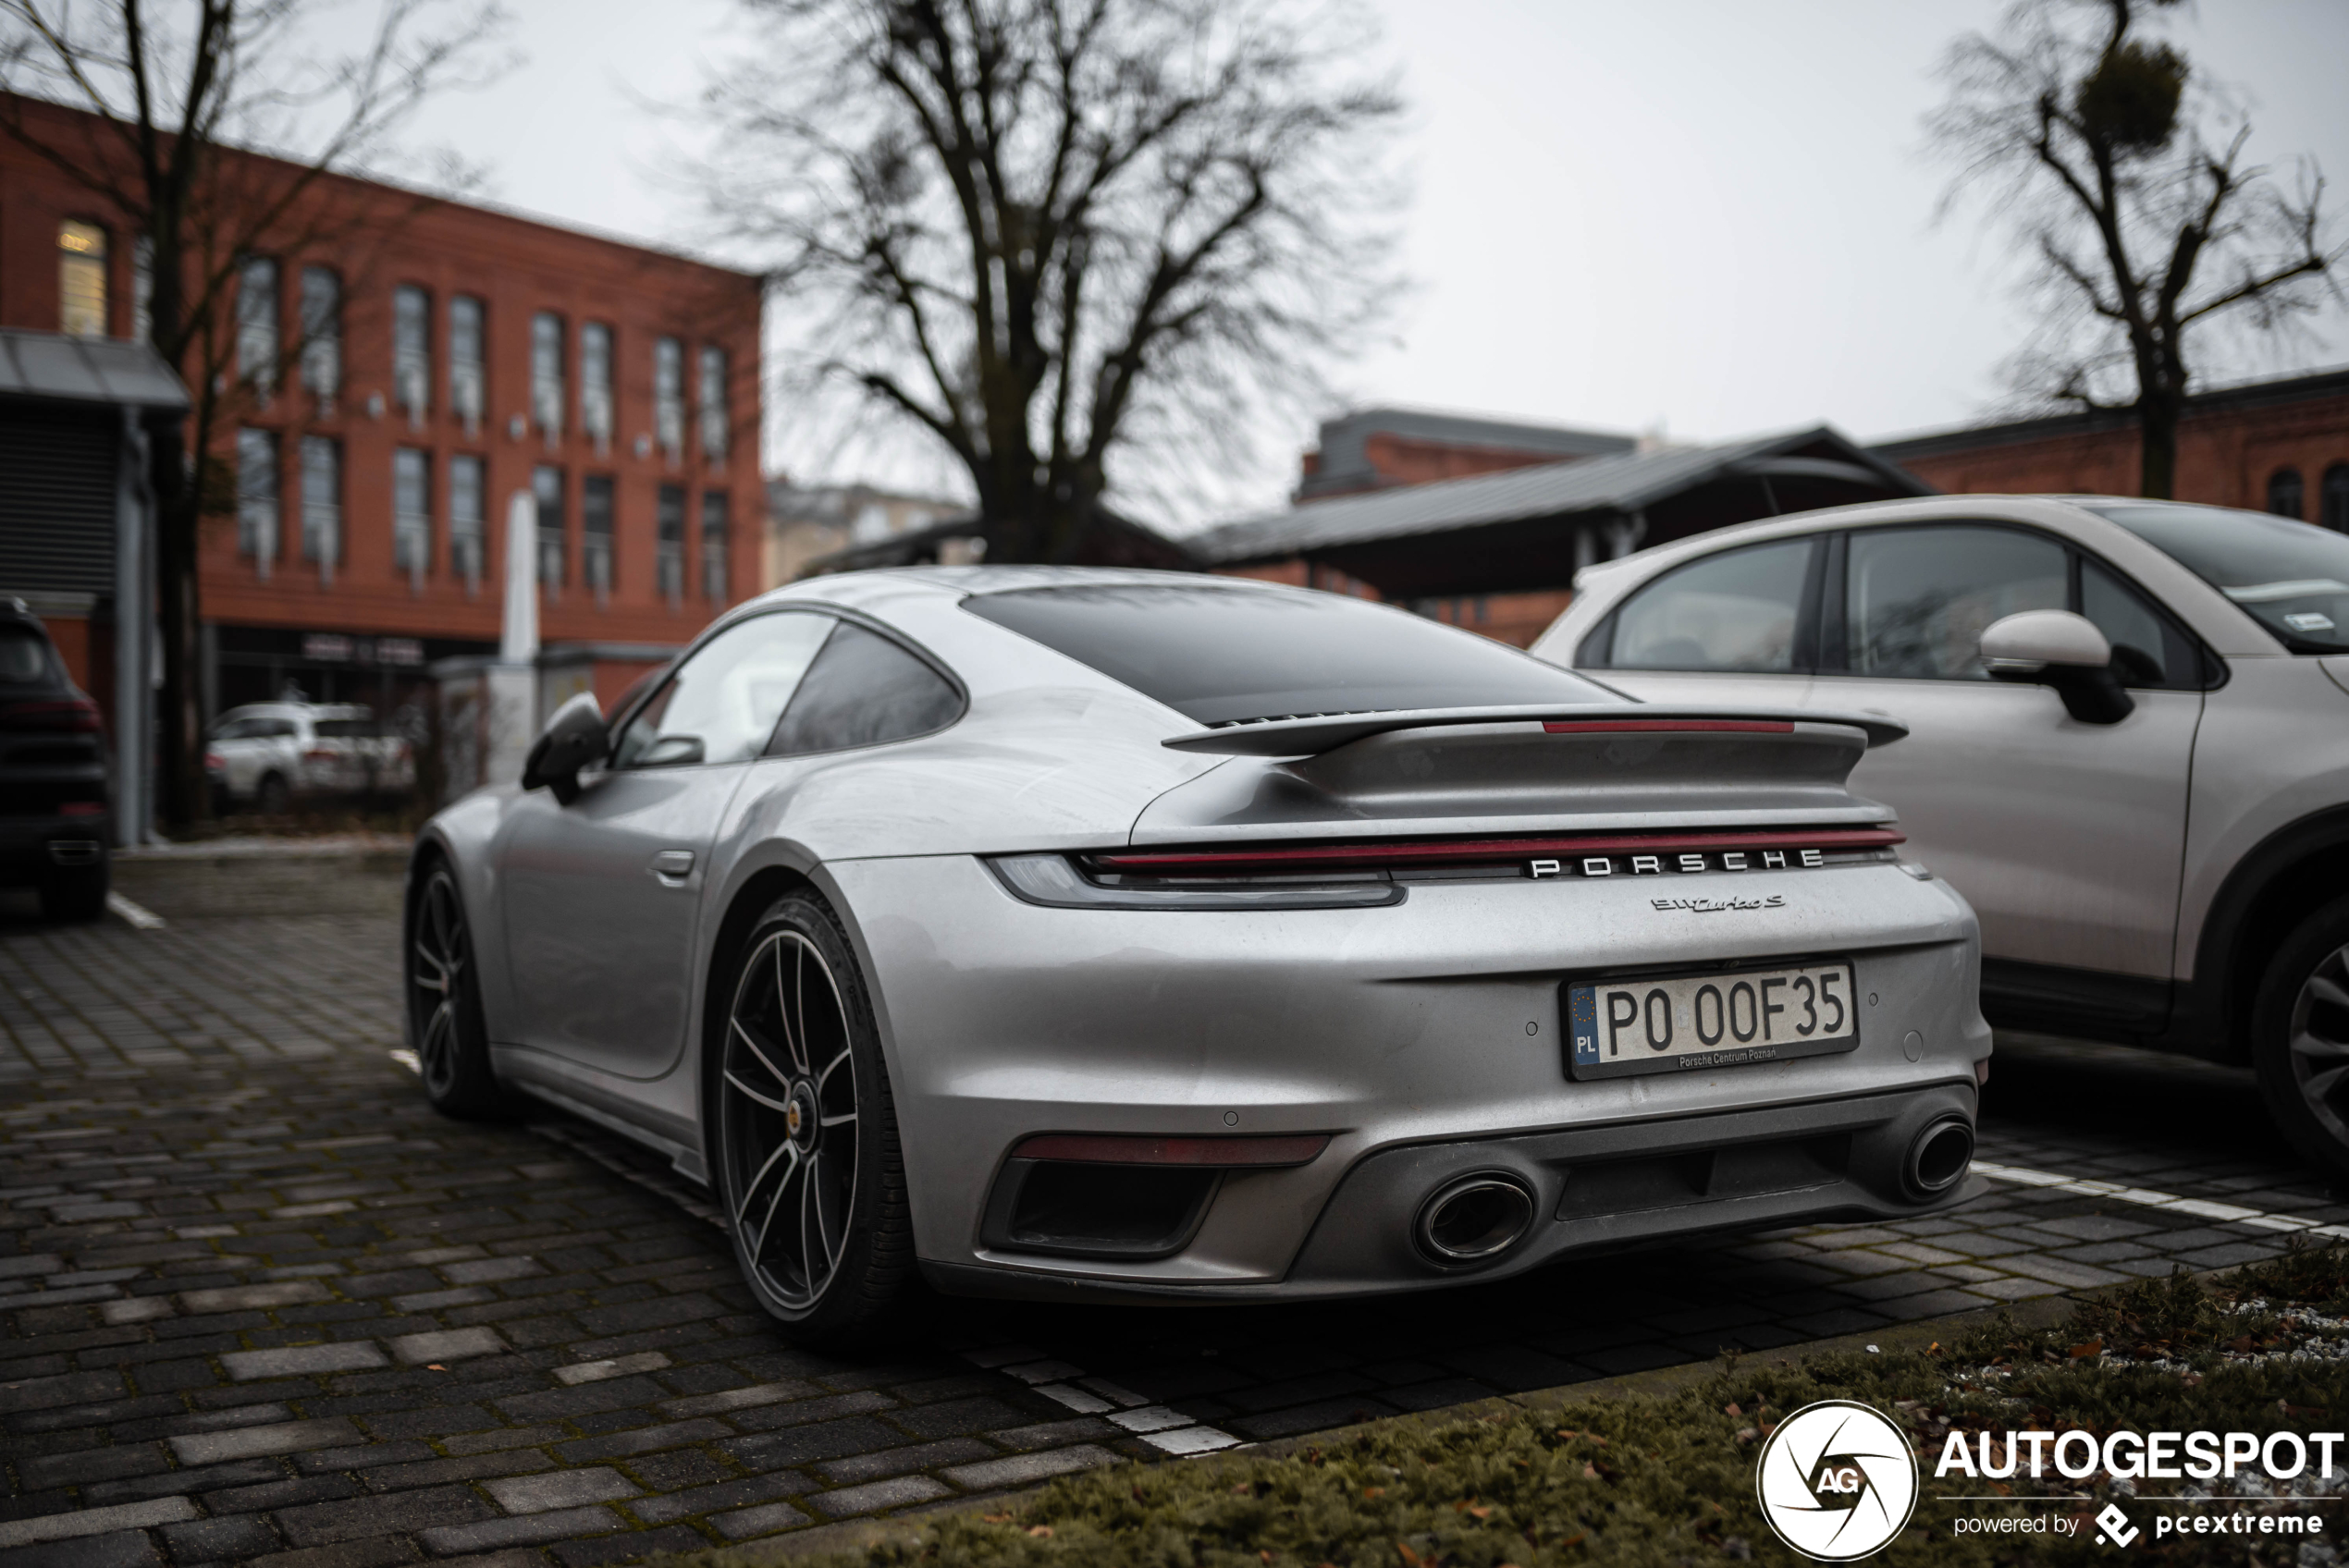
2333	499
2286	495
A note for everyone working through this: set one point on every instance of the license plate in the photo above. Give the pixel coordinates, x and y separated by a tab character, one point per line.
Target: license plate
1683	1023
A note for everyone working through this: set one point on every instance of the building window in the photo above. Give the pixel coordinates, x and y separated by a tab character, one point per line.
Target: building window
713	404
322	505
547	489
82	279
412	351
668	397
669	559
595	533
257	524
2332	500
2286	495
322	337
257	325
412	513
468	375
714	504
595	385
546	375
466	526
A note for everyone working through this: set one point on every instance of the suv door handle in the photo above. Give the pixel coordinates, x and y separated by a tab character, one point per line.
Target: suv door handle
672	866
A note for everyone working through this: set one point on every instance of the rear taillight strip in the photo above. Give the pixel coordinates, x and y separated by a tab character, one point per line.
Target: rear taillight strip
1336	856
1110	1148
1635	726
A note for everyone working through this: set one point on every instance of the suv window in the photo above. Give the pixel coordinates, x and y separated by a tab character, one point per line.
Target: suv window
723	703
1227	655
863	690
1739	610
1917	600
2291	577
24	657
345	728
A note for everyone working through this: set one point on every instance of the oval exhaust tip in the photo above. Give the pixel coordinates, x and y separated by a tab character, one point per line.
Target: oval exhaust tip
1938	1158
1473	1219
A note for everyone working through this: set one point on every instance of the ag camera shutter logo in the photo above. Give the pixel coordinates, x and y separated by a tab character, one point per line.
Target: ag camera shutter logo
1837	1481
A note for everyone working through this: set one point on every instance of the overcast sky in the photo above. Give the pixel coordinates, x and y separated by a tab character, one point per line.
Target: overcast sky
1712	216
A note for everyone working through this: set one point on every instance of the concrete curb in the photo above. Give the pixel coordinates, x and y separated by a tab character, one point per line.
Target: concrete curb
857	1535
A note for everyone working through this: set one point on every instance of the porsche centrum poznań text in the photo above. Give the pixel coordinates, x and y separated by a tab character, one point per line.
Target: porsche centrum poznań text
1057	931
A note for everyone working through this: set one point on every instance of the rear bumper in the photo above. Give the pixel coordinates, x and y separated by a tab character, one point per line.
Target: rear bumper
1422	1038
1595	1189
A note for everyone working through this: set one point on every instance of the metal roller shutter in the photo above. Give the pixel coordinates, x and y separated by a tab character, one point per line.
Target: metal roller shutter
57	476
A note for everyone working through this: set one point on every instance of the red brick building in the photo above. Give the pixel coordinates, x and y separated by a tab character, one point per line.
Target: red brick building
401	367
2280	445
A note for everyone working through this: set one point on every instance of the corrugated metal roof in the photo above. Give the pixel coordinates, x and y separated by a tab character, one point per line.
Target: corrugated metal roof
86	369
1613	483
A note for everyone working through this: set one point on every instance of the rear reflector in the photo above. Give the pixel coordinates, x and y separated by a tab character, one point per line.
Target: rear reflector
1469	851
1709	726
1111	1149
81	808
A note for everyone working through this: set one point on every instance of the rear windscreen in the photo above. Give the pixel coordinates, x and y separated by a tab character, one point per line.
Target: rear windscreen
1221	655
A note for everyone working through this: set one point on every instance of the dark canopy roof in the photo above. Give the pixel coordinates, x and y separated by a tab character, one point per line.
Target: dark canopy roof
1516	530
87	370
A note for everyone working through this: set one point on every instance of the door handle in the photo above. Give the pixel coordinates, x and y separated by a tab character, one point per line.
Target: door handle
672	866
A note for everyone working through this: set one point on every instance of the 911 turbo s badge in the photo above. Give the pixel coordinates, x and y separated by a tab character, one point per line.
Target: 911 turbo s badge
1717	906
1654	865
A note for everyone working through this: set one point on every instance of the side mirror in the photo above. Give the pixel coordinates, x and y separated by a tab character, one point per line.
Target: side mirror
2058	649
574	738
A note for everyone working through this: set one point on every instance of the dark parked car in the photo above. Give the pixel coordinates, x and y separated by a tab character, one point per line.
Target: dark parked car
52	774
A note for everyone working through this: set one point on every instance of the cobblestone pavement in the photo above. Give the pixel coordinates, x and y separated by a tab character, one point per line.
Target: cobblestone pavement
262	1305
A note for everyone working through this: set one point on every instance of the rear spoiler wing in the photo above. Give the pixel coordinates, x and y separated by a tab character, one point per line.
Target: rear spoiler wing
1312	734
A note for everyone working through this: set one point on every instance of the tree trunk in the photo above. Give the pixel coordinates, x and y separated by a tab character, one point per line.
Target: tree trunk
2157	445
179	760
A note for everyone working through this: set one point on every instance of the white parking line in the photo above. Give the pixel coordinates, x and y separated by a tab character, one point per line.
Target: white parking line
138	915
2201	1209
1170	1431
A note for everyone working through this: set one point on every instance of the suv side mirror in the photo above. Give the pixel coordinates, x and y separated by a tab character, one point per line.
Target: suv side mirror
2058	649
573	737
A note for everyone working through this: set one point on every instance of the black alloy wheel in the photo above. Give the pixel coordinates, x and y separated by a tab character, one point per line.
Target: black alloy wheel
805	1137
2300	1037
445	1025
272	797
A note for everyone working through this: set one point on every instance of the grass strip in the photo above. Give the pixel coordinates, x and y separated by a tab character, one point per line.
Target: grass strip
1670	1479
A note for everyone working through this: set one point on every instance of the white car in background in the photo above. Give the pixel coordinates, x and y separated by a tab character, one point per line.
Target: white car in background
2128	745
269	755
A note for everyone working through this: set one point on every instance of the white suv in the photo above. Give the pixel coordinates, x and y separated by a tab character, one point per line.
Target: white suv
2128	745
269	754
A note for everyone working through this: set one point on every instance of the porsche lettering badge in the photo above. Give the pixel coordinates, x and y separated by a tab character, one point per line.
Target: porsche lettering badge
1659	865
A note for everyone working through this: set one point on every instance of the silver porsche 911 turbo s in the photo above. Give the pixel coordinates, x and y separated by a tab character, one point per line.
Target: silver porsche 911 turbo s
1062	931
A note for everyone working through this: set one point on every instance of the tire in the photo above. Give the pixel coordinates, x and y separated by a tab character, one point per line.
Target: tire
2300	1038
445	1025
272	797
75	893
802	1130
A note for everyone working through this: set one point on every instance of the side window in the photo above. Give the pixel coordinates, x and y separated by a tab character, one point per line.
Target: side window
2147	650
863	690
722	704
1739	610
1918	599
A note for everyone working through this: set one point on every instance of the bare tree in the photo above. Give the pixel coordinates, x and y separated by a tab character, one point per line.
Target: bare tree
172	99
2126	177
1052	233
